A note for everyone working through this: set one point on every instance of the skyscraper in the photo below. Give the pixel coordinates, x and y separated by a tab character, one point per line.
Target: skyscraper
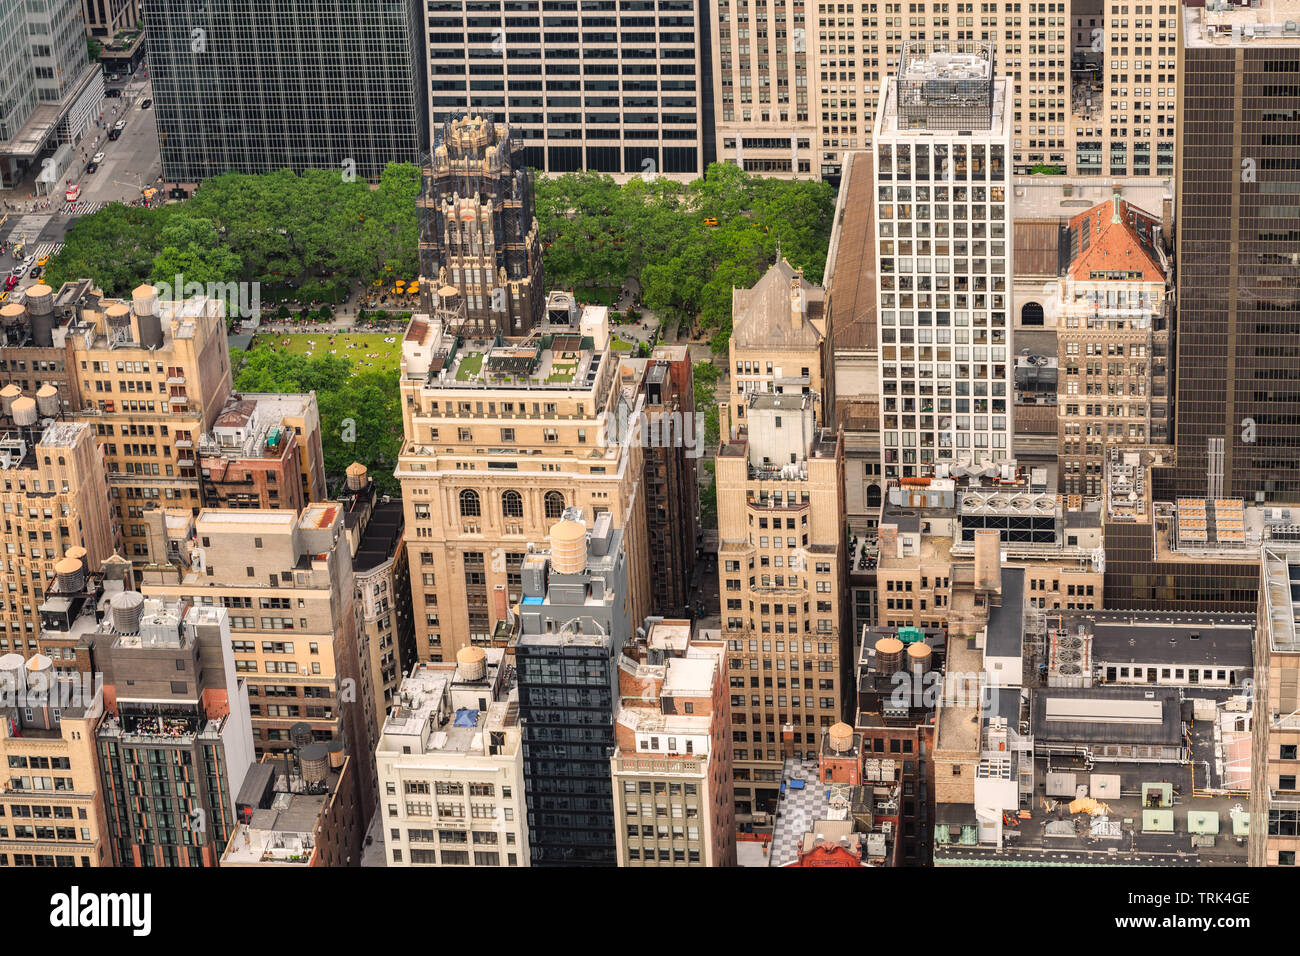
943	260
478	226
1237	404
50	92
625	95
254	86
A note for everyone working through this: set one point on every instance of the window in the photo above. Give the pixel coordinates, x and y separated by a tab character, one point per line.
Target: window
469	504
512	504
554	504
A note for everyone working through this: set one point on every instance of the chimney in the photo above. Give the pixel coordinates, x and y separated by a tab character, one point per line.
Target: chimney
796	300
887	539
1115	200
988	560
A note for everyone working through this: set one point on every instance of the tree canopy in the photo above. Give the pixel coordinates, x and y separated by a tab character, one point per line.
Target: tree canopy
361	415
597	234
313	232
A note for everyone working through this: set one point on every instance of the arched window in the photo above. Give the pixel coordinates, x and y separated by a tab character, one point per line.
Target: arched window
512	504
469	506
554	504
1031	313
873	496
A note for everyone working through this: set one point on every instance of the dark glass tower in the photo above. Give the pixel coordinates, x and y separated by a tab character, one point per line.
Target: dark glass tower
1237	374
253	86
478	227
573	625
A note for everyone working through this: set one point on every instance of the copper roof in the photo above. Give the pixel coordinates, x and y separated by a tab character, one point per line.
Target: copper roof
853	273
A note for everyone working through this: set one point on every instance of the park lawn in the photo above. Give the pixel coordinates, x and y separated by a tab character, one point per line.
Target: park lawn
389	353
619	345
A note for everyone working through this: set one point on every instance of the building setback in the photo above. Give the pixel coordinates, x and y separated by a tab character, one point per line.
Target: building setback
451	768
253	86
175	743
673	728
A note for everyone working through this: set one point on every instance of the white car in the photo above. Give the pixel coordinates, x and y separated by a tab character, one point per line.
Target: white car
97	158
20	270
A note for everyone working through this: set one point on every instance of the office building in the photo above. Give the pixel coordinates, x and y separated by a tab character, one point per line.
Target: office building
1113	338
175	741
53	807
375	529
573	625
50	94
298	813
500	438
1123	84
943	263
263	451
107	18
624	95
337	87
451	766
672	433
1071	72
762	87
1275	748
1235	415
781	543
478	226
673	728
286	578
55	500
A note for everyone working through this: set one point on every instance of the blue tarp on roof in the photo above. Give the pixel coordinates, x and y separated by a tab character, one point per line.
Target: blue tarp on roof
466	717
796	784
532	600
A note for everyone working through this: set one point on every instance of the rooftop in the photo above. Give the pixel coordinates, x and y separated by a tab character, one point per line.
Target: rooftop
764	316
1128	637
1220	23
283	834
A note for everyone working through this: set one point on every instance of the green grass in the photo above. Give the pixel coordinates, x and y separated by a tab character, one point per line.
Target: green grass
618	345
389	353
469	367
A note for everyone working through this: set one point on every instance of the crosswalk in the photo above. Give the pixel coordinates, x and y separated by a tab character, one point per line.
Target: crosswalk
82	208
50	249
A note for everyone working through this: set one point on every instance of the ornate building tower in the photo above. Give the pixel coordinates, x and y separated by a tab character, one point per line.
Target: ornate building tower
478	231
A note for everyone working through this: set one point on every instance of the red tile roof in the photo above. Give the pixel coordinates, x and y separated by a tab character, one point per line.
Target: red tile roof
1098	244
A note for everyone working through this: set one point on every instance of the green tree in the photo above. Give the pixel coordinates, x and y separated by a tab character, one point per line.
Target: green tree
192	250
360	412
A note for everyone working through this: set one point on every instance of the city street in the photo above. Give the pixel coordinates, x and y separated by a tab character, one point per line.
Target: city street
130	163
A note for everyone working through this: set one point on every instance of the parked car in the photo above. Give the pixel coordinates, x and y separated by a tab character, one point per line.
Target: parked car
92	167
11	281
146	104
